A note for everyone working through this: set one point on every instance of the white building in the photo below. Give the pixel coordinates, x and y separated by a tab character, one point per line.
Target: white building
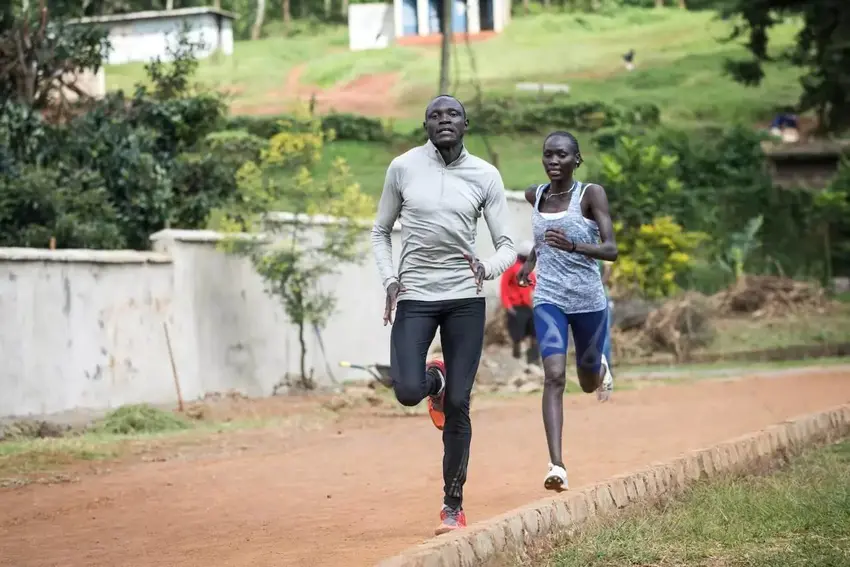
143	36
375	25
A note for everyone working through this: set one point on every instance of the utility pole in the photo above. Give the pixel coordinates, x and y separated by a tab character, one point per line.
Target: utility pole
445	50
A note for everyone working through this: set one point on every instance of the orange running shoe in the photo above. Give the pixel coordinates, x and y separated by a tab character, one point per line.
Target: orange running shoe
450	519
435	402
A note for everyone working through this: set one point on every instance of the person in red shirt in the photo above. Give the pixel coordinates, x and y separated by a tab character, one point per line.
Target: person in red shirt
517	303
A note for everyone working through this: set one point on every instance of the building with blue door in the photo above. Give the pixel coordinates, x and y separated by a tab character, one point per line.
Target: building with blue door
422	17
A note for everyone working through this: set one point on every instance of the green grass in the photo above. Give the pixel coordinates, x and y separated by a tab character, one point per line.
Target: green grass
797	517
519	160
679	56
748	334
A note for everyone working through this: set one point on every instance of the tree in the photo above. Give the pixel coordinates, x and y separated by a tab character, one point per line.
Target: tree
821	50
41	57
294	257
446	45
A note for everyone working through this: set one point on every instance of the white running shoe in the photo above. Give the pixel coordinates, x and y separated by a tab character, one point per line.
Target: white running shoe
603	392
556	478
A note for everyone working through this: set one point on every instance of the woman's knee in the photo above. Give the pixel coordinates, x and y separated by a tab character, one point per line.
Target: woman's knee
555	371
588	379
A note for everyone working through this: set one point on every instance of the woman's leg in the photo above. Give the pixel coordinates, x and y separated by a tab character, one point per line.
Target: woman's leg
550	325
590	333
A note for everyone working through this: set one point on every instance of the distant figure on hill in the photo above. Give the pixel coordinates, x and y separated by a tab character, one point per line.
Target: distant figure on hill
629	58
785	126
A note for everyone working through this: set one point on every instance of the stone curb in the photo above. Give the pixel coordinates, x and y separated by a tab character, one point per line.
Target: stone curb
517	529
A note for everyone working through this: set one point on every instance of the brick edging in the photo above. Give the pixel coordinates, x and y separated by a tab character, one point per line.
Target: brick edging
517	529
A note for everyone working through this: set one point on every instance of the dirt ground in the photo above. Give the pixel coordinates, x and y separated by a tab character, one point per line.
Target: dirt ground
355	493
357	96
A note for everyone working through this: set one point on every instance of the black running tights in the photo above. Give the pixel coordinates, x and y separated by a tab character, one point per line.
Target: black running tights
461	324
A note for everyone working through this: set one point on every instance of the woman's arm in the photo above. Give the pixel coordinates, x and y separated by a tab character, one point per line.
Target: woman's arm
530	194
607	249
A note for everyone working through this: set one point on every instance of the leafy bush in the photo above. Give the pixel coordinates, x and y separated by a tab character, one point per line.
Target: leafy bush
37	203
119	168
505	115
641	182
345	126
653	257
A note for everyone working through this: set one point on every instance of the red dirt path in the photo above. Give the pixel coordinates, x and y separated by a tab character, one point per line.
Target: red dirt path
354	496
370	95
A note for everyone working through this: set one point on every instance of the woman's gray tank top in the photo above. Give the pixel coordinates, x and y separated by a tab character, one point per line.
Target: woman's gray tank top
568	280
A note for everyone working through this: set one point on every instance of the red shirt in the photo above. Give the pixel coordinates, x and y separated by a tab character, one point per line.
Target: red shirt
512	294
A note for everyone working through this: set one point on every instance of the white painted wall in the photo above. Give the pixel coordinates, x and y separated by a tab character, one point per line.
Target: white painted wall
83	329
370	26
143	36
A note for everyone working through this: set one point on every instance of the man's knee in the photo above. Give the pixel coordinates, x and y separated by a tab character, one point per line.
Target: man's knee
456	403
407	394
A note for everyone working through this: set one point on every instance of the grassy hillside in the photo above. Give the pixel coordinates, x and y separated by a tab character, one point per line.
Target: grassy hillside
679	65
679	60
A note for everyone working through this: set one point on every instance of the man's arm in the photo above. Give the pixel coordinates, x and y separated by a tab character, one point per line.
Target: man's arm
389	207
498	221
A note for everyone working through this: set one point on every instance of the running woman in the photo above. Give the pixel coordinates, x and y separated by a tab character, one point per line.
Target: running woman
572	230
439	191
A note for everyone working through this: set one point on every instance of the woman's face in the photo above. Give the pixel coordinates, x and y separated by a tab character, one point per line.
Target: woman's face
559	157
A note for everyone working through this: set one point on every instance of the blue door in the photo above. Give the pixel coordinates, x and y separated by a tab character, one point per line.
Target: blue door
459	16
409	18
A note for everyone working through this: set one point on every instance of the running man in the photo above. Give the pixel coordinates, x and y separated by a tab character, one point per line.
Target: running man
568	221
516	299
438	191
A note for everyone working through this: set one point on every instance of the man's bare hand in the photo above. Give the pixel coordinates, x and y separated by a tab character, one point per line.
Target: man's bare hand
477	270
392	298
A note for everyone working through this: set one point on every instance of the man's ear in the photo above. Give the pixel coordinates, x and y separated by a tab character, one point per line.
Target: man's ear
425	125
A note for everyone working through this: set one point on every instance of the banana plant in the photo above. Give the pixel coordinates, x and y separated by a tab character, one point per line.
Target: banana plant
741	246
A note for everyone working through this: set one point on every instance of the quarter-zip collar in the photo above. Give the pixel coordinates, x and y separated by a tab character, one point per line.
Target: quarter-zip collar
434	153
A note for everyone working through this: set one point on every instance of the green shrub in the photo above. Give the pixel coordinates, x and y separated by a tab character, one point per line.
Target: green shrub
142	418
345	126
38	203
236	147
506	115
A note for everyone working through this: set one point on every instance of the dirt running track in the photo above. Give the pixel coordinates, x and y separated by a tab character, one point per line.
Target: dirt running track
353	497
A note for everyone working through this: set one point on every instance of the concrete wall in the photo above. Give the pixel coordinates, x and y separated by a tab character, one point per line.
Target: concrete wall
84	329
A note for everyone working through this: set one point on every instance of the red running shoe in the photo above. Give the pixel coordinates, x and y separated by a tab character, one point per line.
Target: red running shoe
451	519
435	402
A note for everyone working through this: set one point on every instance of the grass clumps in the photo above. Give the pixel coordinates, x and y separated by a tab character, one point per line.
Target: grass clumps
141	418
798	517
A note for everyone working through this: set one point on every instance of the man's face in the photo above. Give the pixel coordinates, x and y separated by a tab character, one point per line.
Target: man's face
445	122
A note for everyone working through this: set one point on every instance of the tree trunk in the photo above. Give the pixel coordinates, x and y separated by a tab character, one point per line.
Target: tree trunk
304	380
169	5
328	8
217	4
659	3
446	44
682	5
525	6
286	11
344	10
257	28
